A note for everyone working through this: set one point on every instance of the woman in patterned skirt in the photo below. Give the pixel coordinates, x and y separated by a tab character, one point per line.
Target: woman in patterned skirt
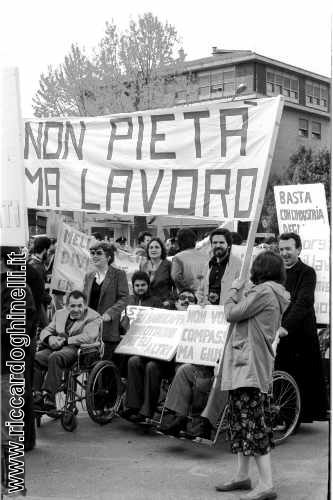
255	310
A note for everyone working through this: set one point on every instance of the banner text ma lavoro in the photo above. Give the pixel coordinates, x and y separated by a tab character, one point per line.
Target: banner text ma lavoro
201	160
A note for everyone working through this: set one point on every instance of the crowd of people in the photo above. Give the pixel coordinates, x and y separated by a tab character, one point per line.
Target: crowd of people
278	298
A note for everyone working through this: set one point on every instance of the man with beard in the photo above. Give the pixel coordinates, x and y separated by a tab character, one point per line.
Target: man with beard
223	268
298	353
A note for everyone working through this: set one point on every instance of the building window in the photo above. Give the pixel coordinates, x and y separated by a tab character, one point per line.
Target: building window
282	83
216	83
303	127
316	130
316	95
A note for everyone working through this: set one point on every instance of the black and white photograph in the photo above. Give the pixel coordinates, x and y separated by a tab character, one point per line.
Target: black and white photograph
165	249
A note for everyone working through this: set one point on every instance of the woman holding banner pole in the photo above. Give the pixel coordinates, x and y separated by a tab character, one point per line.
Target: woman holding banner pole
255	312
107	291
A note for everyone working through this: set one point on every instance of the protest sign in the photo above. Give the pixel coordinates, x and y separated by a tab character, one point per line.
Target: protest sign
153	333
71	259
203	336
300	205
13	214
316	253
201	160
128	262
302	209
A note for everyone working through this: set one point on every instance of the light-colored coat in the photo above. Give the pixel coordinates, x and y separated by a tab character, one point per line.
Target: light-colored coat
231	272
188	269
248	358
83	331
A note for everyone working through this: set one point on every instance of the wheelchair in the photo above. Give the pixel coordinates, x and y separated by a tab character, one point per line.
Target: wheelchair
285	405
91	383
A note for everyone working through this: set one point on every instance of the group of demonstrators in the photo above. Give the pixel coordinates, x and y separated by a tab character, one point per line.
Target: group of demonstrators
278	298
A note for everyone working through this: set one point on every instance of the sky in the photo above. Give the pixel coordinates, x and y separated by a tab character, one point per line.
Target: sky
36	34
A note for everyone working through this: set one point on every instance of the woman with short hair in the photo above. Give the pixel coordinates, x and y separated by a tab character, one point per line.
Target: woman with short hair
107	292
255	312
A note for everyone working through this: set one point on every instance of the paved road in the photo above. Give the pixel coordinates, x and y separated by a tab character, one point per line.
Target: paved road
122	461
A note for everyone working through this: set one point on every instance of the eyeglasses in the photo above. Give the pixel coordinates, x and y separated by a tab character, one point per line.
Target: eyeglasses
189	298
96	252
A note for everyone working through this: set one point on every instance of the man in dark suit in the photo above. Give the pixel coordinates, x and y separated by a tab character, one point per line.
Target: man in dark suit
106	289
298	352
71	327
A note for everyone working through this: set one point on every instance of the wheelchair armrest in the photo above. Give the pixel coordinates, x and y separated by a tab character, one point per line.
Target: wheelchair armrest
89	346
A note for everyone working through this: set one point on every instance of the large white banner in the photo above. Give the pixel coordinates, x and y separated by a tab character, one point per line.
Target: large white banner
200	160
302	209
13	215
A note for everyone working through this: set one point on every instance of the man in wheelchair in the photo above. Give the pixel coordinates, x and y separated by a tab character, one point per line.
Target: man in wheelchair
70	327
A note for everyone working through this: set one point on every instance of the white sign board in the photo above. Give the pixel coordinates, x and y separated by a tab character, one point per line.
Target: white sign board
302	209
153	333
200	160
72	258
13	215
316	253
203	336
300	205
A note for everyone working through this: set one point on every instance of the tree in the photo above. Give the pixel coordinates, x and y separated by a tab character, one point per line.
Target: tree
305	167
309	167
127	71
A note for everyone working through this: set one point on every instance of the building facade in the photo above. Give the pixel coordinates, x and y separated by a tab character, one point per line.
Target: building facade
306	119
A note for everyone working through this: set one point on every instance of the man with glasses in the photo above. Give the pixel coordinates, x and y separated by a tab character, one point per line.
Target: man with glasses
145	374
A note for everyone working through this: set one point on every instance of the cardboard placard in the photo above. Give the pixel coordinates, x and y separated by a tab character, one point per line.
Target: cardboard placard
154	333
203	336
71	260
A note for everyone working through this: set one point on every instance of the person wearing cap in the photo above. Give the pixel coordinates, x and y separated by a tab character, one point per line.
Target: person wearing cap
107	293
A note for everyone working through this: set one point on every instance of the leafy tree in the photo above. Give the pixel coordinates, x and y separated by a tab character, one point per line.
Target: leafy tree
309	167
127	71
305	167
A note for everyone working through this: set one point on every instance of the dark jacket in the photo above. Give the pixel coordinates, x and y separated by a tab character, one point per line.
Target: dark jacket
113	299
298	353
30	320
41	297
162	285
146	300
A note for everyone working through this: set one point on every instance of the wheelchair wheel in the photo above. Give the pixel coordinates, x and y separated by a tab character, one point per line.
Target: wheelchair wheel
104	392
69	421
286	405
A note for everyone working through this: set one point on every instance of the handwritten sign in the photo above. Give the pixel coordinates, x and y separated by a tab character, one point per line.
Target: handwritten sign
316	253
299	205
203	336
200	160
153	333
302	209
71	260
